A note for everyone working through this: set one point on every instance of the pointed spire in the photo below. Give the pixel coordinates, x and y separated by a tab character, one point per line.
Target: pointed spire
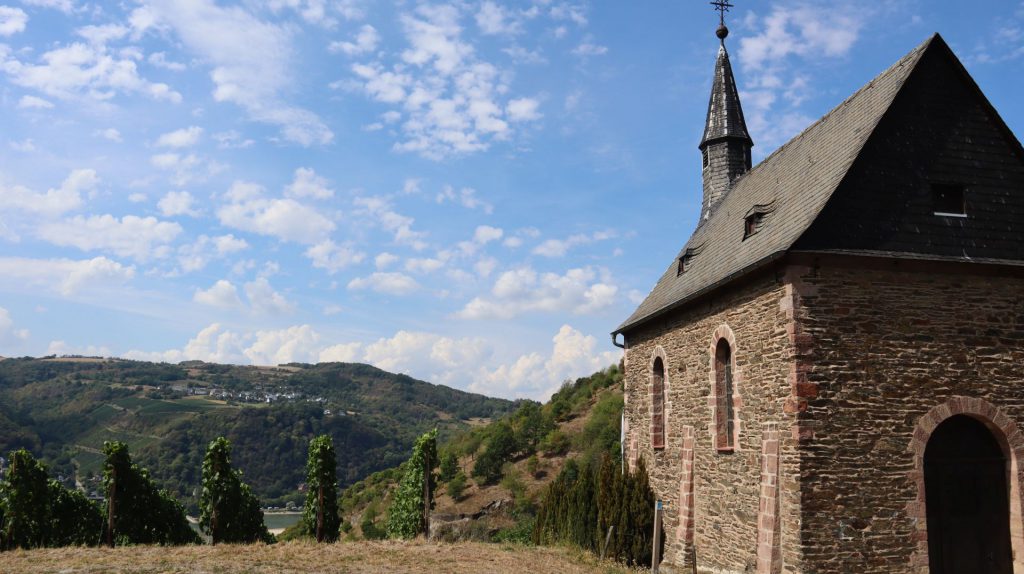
725	146
725	115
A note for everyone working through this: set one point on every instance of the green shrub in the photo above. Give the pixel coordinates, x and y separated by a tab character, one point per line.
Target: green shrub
405	519
457	485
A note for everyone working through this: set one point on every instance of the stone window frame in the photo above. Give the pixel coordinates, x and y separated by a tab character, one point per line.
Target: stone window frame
1011	440
719	439
659	354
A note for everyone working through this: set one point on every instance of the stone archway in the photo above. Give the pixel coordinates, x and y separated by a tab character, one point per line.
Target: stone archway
1003	432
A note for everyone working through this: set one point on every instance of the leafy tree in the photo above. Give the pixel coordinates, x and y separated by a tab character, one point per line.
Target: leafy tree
457	485
229	511
26	499
137	511
74	519
408	514
532	424
449	466
321	510
500	449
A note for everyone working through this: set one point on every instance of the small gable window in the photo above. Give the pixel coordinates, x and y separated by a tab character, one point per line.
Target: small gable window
686	259
948	199
756	218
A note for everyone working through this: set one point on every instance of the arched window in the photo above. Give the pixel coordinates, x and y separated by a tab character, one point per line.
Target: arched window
658	404
725	416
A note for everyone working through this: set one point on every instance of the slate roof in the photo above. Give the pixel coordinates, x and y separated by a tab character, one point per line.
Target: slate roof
791	186
725	115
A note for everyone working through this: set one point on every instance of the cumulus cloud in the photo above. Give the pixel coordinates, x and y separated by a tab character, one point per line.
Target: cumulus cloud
63	276
559	247
264	299
283	218
384	260
524	290
573	354
450	100
588	49
33	102
10	336
494	19
12	20
308	184
185	137
777	56
111	134
365	41
380	210
177	203
196	255
66	6
466	197
390	283
141	238
86	70
222	294
332	257
251	61
54	201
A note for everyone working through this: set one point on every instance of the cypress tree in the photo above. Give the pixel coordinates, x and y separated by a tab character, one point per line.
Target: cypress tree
229	511
26	499
413	499
137	512
320	513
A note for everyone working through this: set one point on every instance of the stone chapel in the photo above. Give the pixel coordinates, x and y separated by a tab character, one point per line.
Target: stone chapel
829	377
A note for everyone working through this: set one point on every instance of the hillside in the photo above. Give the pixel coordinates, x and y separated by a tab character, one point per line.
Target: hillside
63	409
581	422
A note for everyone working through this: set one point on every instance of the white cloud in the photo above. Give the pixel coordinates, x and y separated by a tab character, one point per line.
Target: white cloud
494	19
252	61
466	197
196	255
333	257
777	57
411	186
55	201
33	102
232	140
573	354
523	110
25	146
285	219
384	260
390	283
341	353
292	345
423	265
185	168
308	184
587	49
222	294
12	20
559	247
141	238
137	197
8	334
159	59
365	41
177	203
213	344
64	276
451	101
66	6
110	134
380	209
265	300
485	234
185	137
84	70
523	290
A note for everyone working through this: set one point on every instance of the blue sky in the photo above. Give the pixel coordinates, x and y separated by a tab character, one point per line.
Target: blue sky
474	193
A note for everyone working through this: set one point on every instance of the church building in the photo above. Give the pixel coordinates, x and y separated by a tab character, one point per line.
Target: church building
829	377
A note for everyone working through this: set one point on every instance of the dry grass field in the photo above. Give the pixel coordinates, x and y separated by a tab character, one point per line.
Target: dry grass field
294	557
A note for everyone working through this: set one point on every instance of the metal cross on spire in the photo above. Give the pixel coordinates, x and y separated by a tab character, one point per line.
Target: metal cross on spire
722	6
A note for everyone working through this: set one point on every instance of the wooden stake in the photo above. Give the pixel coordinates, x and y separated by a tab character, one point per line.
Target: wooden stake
607	539
656	551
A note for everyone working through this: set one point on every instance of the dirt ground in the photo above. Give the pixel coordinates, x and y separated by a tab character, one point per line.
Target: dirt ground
294	557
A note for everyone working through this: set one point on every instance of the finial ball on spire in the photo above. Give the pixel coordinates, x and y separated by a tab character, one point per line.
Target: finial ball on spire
722	6
722	32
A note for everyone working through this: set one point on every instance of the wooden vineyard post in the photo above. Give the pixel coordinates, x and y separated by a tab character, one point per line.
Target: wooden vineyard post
656	551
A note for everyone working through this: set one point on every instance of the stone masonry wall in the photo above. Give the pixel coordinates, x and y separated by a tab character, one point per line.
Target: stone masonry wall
885	348
726	486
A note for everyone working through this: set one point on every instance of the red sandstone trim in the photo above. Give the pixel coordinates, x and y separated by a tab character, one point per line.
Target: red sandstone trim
659	424
769	551
718	424
1010	438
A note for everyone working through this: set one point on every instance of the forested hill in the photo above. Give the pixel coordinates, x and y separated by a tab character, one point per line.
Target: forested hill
63	409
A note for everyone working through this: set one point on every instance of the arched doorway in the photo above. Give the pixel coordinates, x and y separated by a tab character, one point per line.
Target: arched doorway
967	500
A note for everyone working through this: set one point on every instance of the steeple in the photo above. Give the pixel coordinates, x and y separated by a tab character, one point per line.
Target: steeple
725	147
